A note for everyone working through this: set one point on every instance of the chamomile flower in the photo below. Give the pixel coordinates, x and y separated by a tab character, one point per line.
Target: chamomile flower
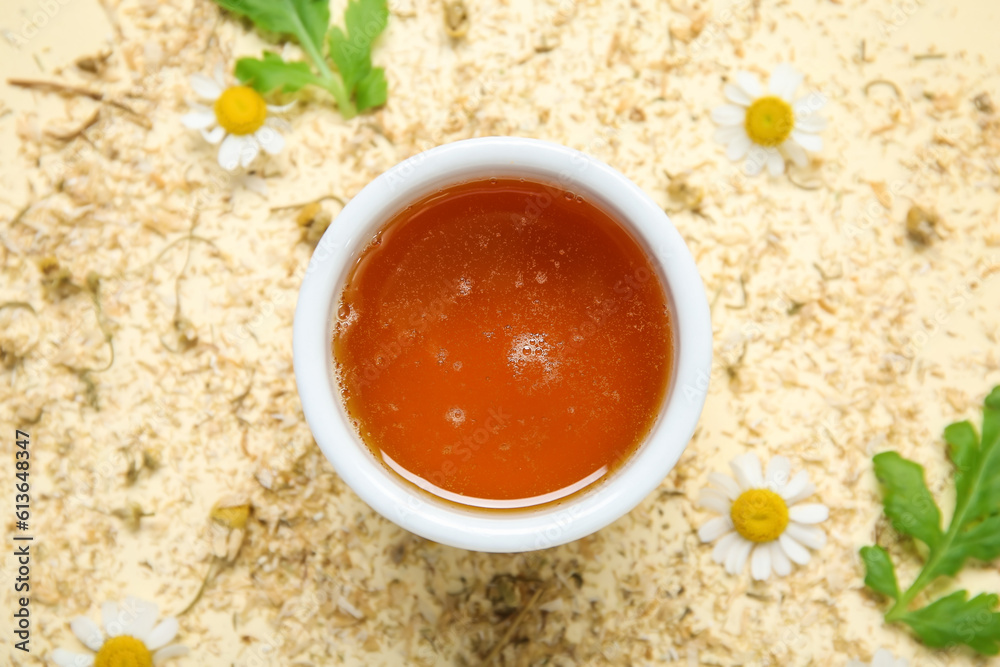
238	118
134	639
769	127
882	658
763	517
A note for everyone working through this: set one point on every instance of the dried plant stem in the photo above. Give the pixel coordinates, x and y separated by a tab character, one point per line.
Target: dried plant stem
282	207
209	575
56	87
73	134
79	91
495	651
885	82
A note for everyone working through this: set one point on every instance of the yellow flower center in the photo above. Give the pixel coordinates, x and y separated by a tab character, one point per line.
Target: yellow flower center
769	121
123	651
759	515
240	110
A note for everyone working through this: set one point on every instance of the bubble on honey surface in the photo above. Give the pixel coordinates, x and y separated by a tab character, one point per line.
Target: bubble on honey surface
541	277
532	356
529	348
519	282
442	355
464	286
493	181
456	416
346	316
457	365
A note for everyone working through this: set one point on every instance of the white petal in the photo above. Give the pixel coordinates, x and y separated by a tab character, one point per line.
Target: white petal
87	632
814	123
64	658
779	561
795	153
775	163
715	529
727	133
809	513
714	500
168	652
755	161
795	551
729	114
141	616
736	559
810	536
784	80
738	147
723	546
280	108
798	488
277	123
737	95
810	142
748	471
206	87
215	135
162	634
778	472
111	618
883	658
196	120
230	151
726	483
760	562
219	74
249	151
749	83
255	184
270	140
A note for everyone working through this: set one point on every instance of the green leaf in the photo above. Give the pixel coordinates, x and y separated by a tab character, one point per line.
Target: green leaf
351	50
985	493
964	448
372	90
983	540
307	20
880	575
273	73
907	501
974	532
955	620
977	492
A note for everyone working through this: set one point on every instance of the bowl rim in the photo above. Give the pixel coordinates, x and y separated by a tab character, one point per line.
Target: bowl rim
510	530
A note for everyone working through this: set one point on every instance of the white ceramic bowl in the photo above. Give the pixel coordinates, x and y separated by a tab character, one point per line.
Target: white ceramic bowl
508	530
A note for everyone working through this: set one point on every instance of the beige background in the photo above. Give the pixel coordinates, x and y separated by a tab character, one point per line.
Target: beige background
889	342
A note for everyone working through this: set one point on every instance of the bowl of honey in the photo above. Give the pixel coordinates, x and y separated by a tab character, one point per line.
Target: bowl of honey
502	344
